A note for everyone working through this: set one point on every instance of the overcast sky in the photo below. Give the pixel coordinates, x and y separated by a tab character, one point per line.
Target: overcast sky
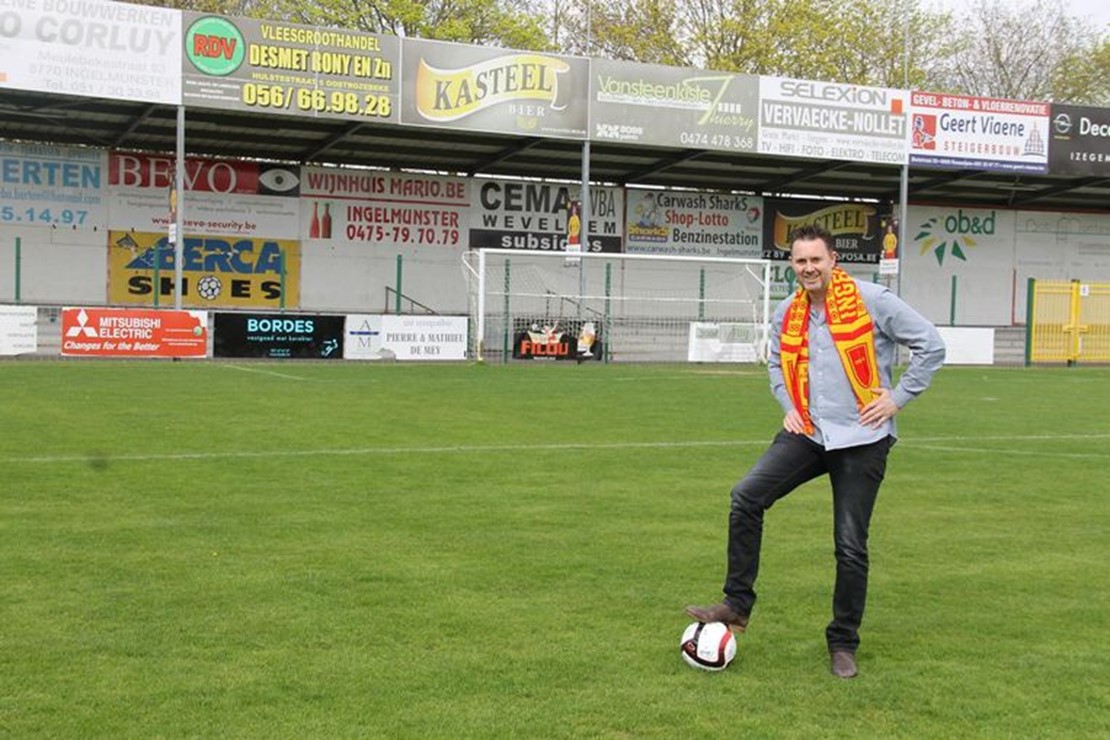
1097	11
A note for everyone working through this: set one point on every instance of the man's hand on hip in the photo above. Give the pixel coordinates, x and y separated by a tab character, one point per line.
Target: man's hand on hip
881	409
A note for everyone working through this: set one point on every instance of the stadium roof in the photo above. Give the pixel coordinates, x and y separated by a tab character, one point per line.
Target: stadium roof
98	122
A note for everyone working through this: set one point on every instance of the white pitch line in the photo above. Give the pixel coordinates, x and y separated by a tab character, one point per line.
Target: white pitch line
1009	437
1023	453
386	451
922	443
262	372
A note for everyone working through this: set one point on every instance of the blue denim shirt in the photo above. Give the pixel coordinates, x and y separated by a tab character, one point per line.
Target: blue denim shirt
832	404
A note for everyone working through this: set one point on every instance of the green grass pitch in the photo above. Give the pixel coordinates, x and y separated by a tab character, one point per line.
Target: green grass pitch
291	550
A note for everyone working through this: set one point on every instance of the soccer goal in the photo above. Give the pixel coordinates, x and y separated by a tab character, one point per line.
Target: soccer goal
616	307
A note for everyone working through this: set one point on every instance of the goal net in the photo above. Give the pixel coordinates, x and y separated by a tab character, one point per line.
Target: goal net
618	307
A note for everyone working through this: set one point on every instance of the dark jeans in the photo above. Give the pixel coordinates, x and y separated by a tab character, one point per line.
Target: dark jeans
791	460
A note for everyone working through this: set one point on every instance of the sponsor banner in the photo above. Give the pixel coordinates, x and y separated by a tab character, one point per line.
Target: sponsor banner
958	265
557	339
238	272
888	265
961	131
515	214
222	196
480	88
693	224
266	66
855	228
57	186
830	120
387	208
965	345
1050	245
669	106
19	334
1080	141
392	337
362	337
278	336
115	332
715	342
92	49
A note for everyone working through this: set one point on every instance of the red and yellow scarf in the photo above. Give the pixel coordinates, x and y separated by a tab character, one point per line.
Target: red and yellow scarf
852	331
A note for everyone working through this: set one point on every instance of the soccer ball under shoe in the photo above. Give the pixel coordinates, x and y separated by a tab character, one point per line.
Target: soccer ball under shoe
710	646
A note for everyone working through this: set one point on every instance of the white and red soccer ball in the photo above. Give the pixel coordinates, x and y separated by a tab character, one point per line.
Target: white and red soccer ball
710	646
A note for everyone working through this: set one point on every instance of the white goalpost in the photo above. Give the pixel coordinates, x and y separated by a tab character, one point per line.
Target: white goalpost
617	307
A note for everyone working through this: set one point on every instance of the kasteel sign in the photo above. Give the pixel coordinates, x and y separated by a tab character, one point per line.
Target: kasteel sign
268	66
1080	141
829	120
485	89
114	332
962	131
669	106
855	228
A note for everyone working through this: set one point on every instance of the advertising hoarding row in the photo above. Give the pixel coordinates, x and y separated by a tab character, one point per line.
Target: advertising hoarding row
139	333
249	225
113	50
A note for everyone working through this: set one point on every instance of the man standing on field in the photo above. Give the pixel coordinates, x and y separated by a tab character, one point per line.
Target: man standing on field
832	351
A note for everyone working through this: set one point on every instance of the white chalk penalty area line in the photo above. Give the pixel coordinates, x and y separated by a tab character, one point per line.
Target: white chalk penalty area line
920	443
274	373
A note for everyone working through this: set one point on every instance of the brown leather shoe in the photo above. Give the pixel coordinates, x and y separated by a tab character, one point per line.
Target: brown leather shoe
842	664
719	613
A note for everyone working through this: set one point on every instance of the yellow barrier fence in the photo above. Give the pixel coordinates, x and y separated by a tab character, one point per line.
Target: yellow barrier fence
1068	321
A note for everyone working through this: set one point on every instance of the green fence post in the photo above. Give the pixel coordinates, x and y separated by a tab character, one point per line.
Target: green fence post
1030	291
397	297
18	269
701	294
281	298
608	325
505	322
952	308
157	271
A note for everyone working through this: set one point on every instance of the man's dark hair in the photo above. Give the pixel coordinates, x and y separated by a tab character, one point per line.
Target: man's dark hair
809	232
